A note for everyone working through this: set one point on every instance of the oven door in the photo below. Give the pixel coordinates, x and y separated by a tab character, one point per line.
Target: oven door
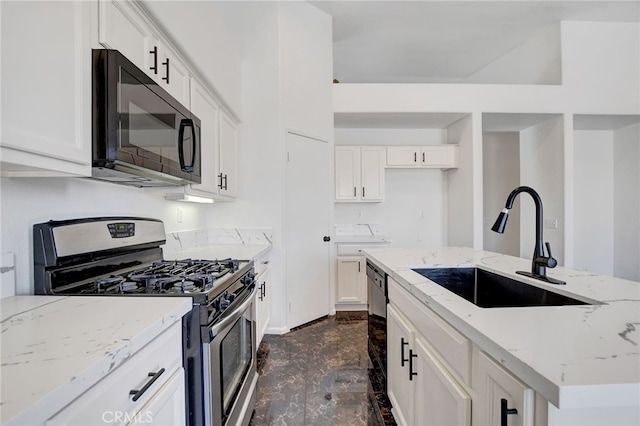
231	364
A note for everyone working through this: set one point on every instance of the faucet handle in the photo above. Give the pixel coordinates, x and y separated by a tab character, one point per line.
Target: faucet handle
550	262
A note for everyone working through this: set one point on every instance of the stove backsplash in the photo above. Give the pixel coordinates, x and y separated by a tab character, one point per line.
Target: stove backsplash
199	238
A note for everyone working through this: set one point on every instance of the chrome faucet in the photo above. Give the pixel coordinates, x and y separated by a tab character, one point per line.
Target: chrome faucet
540	262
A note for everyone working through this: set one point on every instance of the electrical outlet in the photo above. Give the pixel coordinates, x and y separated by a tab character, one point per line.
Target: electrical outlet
420	214
551	223
179	215
359	214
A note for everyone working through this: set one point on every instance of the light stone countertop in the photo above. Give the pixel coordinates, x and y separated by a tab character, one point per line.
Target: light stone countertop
55	348
575	356
220	251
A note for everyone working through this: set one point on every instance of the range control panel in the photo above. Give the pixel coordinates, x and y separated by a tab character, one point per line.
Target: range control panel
122	229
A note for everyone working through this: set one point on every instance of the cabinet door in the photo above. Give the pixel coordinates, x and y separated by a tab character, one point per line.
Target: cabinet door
228	155
121	28
403	156
439	156
351	280
206	109
347	172
46	88
173	75
167	405
400	338
442	401
372	173
263	310
493	384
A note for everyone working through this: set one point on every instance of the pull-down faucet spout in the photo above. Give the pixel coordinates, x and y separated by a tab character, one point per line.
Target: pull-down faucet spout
540	262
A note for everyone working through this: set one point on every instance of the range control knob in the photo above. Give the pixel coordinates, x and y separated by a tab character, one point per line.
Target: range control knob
231	296
224	304
248	279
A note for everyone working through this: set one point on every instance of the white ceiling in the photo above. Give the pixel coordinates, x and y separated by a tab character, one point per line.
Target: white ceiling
445	41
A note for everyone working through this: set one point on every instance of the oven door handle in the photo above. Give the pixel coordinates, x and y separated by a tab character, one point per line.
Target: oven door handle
231	317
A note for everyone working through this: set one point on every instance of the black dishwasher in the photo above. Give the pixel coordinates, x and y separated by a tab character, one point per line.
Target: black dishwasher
377	322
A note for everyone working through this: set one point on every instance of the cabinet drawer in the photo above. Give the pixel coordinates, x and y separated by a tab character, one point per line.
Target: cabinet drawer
452	346
111	396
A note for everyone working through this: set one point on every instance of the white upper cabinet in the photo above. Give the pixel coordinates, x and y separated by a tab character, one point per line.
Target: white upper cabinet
122	27
46	88
219	145
430	156
359	173
207	110
228	164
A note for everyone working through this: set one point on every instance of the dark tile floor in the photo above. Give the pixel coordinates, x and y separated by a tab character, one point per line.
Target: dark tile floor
319	375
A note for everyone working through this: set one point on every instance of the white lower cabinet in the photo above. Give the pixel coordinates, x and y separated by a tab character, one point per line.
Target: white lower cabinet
167	407
421	389
352	280
440	399
149	388
263	302
500	398
399	388
435	373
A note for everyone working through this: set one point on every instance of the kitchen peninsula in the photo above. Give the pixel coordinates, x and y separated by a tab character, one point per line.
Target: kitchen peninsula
584	360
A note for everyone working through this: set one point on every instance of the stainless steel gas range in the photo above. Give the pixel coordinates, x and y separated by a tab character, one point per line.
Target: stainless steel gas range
122	256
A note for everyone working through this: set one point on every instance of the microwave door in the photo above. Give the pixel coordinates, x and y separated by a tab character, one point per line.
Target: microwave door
149	128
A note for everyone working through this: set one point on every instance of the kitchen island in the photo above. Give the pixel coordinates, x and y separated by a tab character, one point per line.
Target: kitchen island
583	359
54	349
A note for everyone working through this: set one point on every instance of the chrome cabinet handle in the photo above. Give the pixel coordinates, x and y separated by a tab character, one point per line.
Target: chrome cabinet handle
220	177
355	194
504	412
154	52
415	157
423	157
137	393
363	192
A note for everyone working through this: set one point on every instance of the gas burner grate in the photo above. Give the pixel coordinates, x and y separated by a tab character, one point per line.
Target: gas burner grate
168	276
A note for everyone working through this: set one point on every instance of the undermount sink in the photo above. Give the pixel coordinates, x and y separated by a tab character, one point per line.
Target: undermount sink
488	290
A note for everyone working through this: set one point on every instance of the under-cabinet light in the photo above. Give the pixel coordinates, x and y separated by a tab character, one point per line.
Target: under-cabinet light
189	198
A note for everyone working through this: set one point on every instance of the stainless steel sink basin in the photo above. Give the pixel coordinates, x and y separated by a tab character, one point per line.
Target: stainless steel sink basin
488	290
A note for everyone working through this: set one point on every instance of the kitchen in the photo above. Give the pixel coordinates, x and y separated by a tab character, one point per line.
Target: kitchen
598	92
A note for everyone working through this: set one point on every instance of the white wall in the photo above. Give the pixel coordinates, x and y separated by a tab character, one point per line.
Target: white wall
462	184
600	67
538	61
593	201
27	201
626	202
542	168
501	175
414	210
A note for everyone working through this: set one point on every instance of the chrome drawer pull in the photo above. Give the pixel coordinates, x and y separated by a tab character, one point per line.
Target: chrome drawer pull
137	393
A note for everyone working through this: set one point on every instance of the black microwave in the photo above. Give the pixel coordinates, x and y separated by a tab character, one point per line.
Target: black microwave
142	136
